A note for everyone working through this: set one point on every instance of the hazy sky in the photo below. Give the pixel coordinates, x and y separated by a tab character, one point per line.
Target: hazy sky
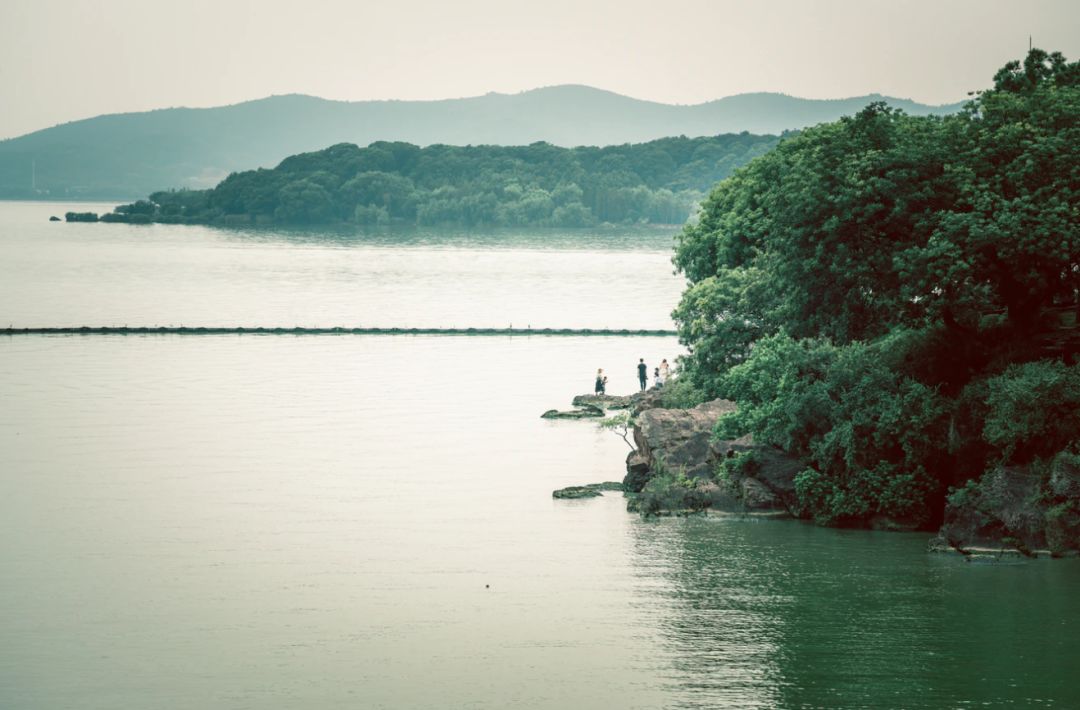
62	60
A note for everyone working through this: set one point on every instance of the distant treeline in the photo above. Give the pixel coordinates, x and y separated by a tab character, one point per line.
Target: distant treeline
539	185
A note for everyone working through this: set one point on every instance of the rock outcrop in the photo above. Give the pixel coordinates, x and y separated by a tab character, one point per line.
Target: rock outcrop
586	412
765	479
681	440
647	399
587	406
1016	508
602	401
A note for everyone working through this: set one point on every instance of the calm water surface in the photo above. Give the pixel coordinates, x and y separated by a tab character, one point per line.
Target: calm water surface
57	274
366	522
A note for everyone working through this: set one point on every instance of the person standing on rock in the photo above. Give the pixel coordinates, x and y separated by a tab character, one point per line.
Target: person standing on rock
665	371
643	373
601	381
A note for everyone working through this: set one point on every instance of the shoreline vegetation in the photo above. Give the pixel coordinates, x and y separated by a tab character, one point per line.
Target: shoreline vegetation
539	185
883	326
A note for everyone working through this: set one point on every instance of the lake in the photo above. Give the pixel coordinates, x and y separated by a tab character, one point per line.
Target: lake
367	522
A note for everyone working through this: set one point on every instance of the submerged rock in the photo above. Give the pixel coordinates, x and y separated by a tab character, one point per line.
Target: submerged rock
54	218
585	412
590	490
602	401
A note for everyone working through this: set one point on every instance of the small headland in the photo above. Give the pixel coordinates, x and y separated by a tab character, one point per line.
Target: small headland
678	466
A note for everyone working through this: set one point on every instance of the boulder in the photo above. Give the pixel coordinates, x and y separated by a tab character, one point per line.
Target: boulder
766	480
1013	507
644	401
755	495
776	470
662	432
602	401
54	218
678	437
637	471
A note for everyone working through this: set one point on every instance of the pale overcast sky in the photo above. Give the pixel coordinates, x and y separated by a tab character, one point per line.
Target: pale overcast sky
62	60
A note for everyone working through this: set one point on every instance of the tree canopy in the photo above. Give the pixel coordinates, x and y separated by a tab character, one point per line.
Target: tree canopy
878	292
535	185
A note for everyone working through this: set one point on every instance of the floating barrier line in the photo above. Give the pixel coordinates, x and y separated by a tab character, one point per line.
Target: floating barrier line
187	330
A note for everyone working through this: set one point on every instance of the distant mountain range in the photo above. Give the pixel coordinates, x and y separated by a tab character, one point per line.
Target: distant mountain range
125	156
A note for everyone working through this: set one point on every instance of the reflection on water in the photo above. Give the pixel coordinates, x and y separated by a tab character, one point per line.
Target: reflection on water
638	238
783	614
57	274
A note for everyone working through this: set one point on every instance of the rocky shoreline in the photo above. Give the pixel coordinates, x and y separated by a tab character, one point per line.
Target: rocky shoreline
677	467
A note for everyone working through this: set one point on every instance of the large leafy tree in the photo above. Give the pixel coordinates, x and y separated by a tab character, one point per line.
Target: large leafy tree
927	254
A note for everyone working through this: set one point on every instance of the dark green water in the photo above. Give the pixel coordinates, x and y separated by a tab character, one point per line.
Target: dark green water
827	618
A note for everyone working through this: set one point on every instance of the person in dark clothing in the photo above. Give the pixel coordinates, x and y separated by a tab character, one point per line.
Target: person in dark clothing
601	381
643	373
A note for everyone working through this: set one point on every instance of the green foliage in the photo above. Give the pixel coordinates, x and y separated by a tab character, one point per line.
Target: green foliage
621	425
870	435
536	185
735	467
1034	410
672	492
882	295
681	393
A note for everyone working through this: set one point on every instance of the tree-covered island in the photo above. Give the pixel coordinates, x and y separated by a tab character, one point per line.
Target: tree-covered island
893	301
538	185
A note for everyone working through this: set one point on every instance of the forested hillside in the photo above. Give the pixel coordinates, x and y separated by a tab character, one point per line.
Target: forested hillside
125	156
536	185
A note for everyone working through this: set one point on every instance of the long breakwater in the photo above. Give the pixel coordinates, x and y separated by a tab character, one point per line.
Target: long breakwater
190	330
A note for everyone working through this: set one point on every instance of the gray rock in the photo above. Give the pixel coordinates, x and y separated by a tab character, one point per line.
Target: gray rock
637	472
602	401
662	431
1013	507
644	401
571	492
777	470
585	412
755	495
590	490
680	438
